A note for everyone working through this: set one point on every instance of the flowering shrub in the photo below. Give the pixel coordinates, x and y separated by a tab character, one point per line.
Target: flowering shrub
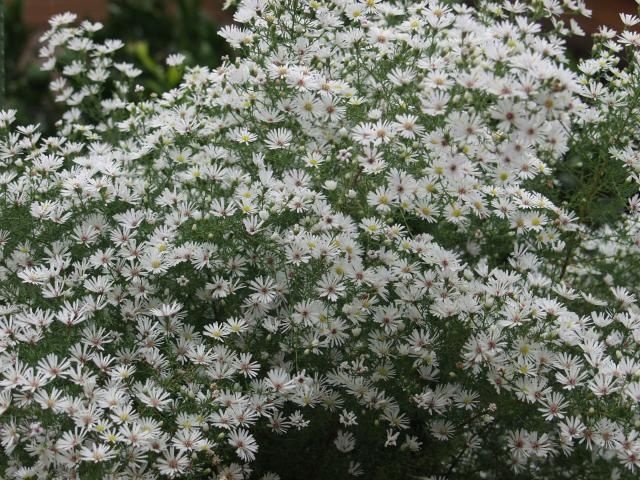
372	245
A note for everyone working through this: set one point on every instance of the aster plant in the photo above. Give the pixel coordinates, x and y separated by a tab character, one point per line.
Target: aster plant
391	239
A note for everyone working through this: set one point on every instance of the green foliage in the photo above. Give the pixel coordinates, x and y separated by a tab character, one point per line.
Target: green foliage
159	26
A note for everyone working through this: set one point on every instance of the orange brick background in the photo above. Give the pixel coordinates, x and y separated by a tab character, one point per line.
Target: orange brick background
38	12
605	12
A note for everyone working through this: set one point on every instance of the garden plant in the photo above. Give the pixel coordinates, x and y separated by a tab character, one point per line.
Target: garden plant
390	239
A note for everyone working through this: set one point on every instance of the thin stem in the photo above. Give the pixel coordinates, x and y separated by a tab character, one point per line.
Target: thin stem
456	459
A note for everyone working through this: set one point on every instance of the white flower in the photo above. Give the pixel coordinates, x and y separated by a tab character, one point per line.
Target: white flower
345	442
279	138
175	59
172	464
244	443
97	453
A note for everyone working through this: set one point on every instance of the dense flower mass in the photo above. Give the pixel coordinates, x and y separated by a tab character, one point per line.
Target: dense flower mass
375	232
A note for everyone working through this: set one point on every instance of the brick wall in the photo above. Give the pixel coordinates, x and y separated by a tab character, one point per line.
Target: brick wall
605	12
38	12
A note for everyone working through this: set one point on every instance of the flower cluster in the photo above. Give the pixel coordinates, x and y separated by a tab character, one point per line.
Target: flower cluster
367	226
